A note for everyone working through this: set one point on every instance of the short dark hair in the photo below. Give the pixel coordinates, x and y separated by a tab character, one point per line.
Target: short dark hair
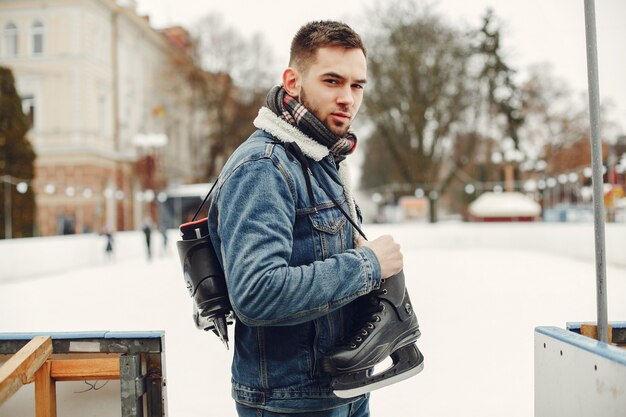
319	34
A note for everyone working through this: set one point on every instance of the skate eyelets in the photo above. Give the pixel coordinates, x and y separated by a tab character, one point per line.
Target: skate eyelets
384	324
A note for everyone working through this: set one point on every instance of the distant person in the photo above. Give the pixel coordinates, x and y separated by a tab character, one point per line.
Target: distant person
108	250
147	231
67	225
163	231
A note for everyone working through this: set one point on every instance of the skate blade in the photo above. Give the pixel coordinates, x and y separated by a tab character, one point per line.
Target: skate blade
355	392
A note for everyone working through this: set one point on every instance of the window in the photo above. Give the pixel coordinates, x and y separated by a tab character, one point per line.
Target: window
37	38
10	39
28	107
101	116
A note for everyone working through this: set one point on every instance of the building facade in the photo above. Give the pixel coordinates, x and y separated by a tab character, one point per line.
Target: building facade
113	116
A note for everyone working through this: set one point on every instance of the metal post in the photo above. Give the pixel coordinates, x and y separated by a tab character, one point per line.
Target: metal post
8	215
596	162
155	384
131	386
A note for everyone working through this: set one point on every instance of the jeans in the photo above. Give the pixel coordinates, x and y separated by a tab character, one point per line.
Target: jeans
359	408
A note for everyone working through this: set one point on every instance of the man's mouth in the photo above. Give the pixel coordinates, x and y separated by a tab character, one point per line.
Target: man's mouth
341	115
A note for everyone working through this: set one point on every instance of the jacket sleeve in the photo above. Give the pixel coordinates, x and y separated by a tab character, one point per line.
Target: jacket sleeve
255	225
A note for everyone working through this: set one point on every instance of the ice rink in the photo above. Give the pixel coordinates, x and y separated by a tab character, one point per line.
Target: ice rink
477	308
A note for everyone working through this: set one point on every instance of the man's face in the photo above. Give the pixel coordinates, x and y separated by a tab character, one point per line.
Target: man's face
332	86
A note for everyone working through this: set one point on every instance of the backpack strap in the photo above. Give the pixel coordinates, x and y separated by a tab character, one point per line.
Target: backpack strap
293	148
293	151
205	199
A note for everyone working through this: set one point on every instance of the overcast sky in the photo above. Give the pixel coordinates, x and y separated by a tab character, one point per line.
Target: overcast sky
535	31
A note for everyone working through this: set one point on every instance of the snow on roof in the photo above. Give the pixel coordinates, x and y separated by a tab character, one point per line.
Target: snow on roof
508	204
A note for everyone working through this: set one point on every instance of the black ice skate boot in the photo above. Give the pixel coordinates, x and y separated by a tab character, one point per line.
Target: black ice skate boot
204	279
391	330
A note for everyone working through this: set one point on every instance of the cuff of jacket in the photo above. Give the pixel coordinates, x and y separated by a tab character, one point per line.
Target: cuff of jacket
371	268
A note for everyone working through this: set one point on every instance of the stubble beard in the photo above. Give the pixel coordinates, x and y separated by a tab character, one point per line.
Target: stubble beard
343	130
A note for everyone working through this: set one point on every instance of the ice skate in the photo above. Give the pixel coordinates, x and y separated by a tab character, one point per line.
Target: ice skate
204	279
391	330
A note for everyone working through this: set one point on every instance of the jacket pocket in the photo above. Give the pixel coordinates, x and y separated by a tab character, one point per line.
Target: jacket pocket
328	228
288	355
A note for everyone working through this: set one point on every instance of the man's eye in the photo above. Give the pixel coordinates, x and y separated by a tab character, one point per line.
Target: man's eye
331	81
358	86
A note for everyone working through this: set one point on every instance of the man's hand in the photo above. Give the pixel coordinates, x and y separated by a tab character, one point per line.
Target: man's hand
388	253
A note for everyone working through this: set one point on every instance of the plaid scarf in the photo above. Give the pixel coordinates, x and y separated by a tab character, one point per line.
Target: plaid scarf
293	112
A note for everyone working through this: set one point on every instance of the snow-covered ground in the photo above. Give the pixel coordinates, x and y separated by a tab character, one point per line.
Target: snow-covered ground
477	307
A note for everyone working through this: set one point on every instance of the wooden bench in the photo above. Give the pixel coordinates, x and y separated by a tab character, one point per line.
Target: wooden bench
135	358
616	331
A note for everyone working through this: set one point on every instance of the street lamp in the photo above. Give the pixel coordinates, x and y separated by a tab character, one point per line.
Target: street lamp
8	216
541	184
551	184
149	196
22	187
506	161
530	186
147	144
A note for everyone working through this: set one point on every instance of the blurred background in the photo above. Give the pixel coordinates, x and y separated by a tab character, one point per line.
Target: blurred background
116	114
474	153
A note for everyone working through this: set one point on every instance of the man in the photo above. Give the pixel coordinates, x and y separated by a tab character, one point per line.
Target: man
293	263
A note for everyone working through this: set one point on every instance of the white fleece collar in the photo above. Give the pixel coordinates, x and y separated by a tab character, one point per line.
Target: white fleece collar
285	132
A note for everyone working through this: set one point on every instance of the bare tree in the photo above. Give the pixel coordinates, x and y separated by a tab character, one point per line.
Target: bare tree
558	121
554	117
249	61
502	94
231	77
418	97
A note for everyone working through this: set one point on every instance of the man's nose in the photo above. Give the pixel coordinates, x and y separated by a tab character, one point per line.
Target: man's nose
345	96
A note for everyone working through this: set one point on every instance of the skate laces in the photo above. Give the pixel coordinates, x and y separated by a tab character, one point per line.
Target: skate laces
375	307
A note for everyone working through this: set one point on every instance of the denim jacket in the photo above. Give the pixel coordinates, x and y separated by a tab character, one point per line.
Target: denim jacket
291	267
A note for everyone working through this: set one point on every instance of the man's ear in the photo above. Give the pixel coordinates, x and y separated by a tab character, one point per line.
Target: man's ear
292	81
